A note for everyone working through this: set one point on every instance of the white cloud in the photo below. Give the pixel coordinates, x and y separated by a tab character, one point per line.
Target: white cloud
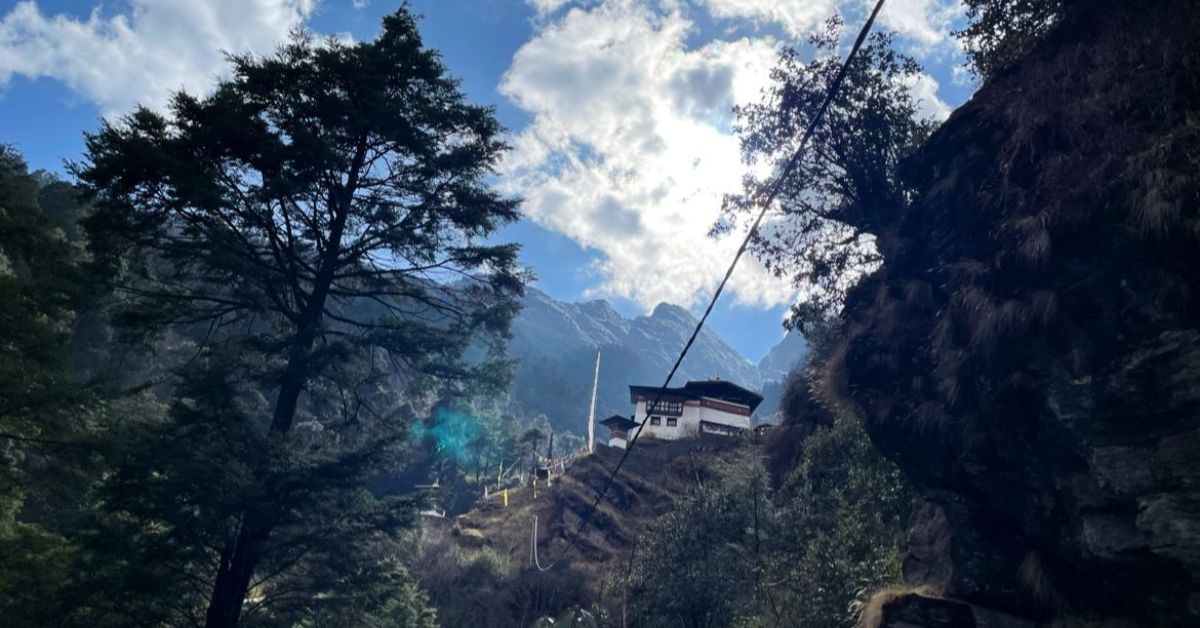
923	88
799	17
141	56
924	22
546	6
630	147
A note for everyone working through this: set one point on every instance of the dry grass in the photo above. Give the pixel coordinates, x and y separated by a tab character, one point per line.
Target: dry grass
1038	582
830	386
870	614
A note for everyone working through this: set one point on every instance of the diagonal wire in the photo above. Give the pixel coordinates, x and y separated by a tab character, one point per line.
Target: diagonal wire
767	201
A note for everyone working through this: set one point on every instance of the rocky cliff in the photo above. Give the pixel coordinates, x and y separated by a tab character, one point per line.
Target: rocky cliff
1030	352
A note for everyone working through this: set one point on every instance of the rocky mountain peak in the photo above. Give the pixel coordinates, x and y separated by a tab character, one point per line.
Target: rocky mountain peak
668	311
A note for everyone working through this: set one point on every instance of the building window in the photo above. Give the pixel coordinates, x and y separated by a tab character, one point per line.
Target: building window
655	420
672	421
665	406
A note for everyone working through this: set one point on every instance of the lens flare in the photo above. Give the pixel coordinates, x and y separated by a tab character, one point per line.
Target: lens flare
453	432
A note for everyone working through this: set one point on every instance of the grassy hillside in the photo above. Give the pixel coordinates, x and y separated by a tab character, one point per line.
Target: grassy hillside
478	566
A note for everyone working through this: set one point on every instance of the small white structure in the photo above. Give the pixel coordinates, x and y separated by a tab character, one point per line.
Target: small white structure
705	407
618	430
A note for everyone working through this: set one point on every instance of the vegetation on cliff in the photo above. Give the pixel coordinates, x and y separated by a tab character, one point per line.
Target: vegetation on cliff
806	554
1013	354
1024	345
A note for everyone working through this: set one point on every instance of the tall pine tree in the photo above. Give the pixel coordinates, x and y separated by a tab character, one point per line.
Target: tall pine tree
44	411
319	224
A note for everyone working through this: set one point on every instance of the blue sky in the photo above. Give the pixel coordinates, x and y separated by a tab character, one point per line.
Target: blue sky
619	111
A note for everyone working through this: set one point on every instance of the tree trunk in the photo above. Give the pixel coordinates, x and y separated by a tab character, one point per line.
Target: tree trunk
238	564
234	574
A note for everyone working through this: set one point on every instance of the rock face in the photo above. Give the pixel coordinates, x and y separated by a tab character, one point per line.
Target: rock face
1030	353
780	360
913	610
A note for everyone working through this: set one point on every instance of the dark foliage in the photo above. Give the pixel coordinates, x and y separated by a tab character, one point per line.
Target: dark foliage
42	286
485	588
46	414
736	553
999	32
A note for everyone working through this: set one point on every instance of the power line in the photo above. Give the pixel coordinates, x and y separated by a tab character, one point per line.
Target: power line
772	193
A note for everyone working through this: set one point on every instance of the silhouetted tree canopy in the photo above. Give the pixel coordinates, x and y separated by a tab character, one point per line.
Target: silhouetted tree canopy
846	184
999	32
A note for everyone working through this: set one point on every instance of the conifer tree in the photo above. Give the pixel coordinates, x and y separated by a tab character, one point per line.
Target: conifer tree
47	413
320	225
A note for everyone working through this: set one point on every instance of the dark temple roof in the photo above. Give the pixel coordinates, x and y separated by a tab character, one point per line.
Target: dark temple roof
712	388
618	422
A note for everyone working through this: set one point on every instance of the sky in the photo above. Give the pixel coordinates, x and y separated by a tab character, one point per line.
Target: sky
619	112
